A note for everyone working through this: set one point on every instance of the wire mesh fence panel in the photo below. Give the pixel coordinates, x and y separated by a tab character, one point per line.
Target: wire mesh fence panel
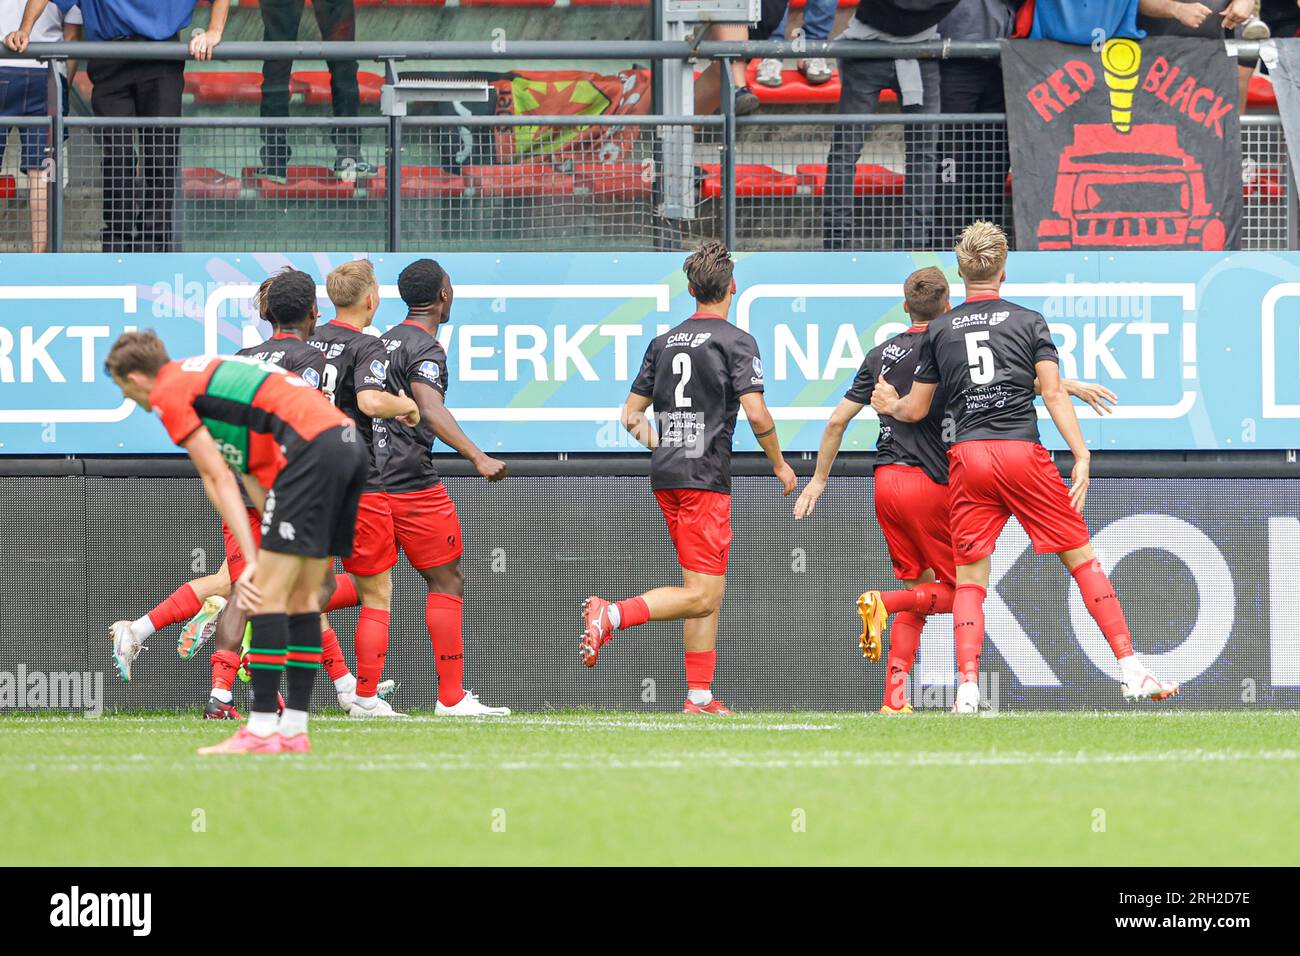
842	183
219	187
1266	186
560	188
24	184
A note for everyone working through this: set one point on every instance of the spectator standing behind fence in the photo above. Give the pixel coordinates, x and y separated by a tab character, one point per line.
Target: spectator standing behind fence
1213	20
139	190
1281	16
818	19
917	84
24	91
973	159
337	20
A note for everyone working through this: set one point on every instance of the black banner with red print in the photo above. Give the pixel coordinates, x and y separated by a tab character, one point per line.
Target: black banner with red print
1124	145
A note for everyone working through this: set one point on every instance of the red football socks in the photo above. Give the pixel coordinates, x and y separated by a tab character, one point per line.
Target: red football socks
331	657
225	665
904	639
968	628
442	614
181	605
632	612
932	598
372	648
345	593
1100	600
699	668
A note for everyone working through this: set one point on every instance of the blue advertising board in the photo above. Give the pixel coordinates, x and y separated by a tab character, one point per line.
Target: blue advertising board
1203	349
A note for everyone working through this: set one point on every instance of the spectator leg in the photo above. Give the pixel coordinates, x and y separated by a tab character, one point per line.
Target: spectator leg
337	20
158	93
921	149
280	19
861	82
113	95
819	18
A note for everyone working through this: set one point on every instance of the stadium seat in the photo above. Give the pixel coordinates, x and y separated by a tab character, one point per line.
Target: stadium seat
794	89
515	180
871	179
8	187
418	182
304	182
214	87
800	4
205	182
314	85
1260	94
613	181
753	181
1265	184
609	3
507	3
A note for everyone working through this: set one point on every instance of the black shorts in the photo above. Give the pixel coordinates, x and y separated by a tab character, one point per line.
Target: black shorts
311	510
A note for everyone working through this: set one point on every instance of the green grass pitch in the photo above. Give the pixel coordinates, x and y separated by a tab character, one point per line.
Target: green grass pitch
583	788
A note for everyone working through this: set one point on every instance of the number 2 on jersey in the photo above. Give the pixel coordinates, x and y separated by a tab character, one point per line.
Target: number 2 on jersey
979	357
682	369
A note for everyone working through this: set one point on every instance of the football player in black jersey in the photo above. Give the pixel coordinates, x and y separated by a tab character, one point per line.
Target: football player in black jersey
910	483
698	375
986	355
424	517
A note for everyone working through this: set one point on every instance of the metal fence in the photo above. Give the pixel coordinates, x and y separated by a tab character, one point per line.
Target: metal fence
767	182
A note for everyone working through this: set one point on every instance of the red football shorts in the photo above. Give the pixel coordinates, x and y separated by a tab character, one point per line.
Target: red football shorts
913	513
374	544
234	557
989	481
699	522
426	526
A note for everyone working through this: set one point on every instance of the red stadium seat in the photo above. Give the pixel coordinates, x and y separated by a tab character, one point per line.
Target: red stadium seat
870	180
609	3
753	181
418	182
522	179
1265	184
614	181
304	182
205	182
794	89
314	85
507	3
8	187
210	87
800	4
1260	94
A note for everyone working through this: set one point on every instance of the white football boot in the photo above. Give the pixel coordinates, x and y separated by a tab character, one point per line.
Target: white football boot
383	690
126	647
372	707
1138	683
470	706
968	698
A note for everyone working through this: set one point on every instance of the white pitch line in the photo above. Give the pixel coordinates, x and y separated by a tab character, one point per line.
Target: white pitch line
722	760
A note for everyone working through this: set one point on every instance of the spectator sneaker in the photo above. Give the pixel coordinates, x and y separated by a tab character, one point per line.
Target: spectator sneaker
1255	29
816	70
746	101
769	72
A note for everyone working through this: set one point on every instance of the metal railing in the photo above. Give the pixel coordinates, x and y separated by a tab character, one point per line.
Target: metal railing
759	182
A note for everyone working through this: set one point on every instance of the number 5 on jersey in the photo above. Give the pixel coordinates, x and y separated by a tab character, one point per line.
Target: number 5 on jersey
979	357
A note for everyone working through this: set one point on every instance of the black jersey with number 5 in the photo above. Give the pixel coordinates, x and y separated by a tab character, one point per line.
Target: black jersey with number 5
414	355
695	375
919	444
983	353
354	362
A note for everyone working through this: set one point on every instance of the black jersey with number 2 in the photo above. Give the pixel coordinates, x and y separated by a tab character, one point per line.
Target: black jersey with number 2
984	354
695	374
354	362
414	355
918	444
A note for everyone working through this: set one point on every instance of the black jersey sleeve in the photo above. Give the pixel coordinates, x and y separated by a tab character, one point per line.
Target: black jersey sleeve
746	365
1044	347
864	383
927	369
428	365
370	369
644	383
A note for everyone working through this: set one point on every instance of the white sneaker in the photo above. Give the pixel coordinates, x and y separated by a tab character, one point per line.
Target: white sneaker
769	73
816	70
1143	685
968	698
470	706
126	647
383	690
1255	29
372	707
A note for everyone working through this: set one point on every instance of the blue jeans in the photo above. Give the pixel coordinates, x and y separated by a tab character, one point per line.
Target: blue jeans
23	92
818	18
